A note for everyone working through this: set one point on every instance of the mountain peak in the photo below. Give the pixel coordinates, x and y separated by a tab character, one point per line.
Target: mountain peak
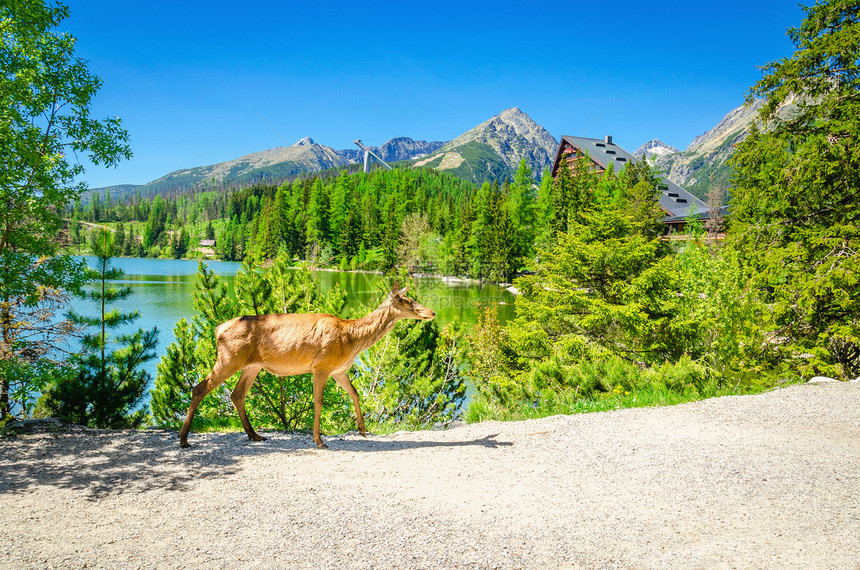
511	123
307	141
512	112
493	149
654	148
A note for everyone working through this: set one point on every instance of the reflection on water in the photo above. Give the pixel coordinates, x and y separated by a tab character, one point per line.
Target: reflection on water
161	292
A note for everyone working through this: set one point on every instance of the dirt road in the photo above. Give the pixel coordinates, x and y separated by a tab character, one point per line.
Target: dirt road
766	481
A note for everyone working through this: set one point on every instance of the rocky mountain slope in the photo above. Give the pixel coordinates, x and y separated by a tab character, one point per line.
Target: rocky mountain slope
276	163
704	163
494	149
490	151
396	149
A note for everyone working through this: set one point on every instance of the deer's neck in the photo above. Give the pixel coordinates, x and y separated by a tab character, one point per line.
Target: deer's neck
367	330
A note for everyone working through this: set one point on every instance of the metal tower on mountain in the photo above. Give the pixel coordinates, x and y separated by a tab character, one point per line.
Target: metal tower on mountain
367	154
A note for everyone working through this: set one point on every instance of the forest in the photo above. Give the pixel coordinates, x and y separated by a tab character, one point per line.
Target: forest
423	219
418	218
611	312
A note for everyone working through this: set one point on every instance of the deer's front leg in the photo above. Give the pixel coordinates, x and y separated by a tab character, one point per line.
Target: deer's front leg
320	379
222	370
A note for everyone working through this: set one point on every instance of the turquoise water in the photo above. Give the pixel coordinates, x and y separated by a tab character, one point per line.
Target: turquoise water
161	292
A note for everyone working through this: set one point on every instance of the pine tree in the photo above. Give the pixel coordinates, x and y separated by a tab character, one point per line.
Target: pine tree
226	247
155	223
339	209
502	248
253	290
179	244
414	376
479	233
640	196
107	386
119	238
521	206
317	229
572	193
179	371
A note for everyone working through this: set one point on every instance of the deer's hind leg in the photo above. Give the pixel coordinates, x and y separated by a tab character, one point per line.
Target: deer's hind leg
342	379
320	380
249	374
220	372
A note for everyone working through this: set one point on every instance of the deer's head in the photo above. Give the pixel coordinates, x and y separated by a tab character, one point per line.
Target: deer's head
407	308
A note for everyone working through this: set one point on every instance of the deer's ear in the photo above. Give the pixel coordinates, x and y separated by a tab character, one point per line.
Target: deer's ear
402	291
395	287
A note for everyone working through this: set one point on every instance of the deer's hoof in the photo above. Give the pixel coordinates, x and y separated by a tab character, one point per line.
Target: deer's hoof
257	438
321	445
184	444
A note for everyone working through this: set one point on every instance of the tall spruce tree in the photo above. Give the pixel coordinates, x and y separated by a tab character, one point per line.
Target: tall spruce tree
796	197
521	209
107	386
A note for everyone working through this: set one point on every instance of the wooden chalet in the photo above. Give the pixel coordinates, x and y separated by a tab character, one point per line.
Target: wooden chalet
603	154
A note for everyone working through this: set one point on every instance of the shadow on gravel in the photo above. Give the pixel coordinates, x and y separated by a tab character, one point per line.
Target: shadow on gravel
400	445
106	462
99	463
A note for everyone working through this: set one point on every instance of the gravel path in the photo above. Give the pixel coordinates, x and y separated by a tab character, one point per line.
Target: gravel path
766	481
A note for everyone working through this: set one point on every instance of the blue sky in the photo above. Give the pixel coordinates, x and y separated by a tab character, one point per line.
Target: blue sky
197	83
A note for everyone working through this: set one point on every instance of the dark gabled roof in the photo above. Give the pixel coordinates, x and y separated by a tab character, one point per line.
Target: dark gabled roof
673	199
704	215
678	202
599	150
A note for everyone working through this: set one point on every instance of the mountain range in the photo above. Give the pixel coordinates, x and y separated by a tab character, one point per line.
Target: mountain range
275	165
490	151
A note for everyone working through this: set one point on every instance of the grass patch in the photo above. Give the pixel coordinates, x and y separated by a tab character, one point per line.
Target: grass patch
568	402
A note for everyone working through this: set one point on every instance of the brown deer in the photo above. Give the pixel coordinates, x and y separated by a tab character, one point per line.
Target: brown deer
290	344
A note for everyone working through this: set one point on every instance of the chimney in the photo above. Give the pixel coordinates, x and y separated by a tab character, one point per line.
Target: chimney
608	139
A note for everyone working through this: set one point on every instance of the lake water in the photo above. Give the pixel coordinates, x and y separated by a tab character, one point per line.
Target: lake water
161	292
